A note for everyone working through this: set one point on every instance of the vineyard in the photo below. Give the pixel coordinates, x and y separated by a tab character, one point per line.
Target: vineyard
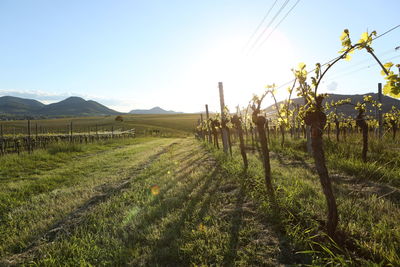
299	183
26	136
360	164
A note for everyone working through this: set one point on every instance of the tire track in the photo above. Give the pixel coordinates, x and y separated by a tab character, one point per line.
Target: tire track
73	219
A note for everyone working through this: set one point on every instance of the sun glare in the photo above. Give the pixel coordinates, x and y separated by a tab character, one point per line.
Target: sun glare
244	70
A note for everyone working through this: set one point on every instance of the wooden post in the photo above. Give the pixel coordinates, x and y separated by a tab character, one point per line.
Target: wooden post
29	136
380	111
112	132
70	128
208	125
308	134
201	123
223	118
2	145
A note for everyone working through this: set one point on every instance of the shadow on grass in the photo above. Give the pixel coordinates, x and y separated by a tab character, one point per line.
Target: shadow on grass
299	162
236	224
165	250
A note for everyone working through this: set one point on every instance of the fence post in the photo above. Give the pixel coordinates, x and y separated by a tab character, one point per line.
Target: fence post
201	123
223	118
380	111
208	125
29	136
70	128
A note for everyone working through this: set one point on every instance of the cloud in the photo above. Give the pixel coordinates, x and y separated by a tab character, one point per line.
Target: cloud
332	86
35	94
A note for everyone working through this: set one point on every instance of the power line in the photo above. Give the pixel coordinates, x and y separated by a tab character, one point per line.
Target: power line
261	23
269	24
386	32
290	10
360	69
335	58
365	61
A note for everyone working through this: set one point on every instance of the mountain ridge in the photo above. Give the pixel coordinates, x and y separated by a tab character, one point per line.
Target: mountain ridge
155	110
387	103
16	107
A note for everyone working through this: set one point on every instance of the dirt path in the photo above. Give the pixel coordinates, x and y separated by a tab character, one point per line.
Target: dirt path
84	182
66	225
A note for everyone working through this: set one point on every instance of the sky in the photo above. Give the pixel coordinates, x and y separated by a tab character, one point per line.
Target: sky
139	54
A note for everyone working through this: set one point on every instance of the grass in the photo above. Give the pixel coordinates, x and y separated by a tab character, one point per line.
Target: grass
63	148
34	201
345	156
180	209
369	211
176	202
168	124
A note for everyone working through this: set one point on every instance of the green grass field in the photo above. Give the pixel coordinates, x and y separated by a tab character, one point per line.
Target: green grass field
156	201
174	124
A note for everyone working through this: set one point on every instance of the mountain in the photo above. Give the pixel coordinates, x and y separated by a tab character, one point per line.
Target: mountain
387	103
155	110
76	106
15	107
19	106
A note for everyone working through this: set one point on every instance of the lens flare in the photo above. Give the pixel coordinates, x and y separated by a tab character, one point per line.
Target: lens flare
155	190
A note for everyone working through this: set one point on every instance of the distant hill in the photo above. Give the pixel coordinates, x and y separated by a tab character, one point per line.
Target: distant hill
19	106
76	106
387	103
155	110
15	107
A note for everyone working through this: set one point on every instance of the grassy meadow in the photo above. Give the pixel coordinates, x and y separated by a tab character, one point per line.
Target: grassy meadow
172	200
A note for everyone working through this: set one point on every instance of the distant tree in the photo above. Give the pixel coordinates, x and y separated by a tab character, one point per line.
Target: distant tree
119	118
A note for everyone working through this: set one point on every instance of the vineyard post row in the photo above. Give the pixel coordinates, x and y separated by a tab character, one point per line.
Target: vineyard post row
17	144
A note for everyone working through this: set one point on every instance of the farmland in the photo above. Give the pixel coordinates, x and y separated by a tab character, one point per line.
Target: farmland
169	124
200	133
174	200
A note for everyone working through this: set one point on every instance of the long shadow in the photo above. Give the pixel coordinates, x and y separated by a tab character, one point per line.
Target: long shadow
357	187
171	205
68	222
173	230
237	220
191	162
300	162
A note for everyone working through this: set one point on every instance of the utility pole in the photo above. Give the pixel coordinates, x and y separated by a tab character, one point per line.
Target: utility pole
223	118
